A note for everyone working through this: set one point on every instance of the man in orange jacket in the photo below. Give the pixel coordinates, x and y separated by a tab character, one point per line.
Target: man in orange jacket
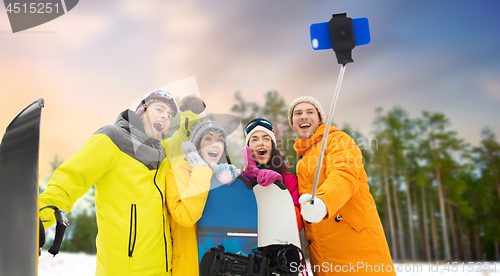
344	233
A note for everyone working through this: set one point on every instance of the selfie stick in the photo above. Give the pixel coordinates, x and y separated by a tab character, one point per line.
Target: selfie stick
343	39
325	135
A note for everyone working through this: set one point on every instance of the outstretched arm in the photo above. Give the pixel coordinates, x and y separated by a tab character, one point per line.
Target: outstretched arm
75	176
344	163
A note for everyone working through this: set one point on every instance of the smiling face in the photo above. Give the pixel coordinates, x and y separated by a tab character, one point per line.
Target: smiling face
212	146
261	145
305	120
156	119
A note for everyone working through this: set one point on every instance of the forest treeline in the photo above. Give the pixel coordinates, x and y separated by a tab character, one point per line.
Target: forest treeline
438	197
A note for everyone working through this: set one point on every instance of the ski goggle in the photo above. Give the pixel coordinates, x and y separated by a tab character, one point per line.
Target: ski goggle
162	94
157	96
258	122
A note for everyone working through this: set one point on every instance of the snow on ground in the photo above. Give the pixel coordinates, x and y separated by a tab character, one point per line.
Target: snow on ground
79	264
66	264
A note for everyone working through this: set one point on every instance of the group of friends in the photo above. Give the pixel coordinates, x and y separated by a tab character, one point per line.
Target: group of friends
150	191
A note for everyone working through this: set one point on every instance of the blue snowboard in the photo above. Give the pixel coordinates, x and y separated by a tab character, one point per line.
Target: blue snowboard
229	218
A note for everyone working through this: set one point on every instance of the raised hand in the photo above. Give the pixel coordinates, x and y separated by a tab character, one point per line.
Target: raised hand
249	165
192	155
192	103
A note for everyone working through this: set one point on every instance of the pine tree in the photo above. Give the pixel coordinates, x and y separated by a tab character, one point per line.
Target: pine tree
82	234
245	110
401	132
489	156
441	145
380	157
488	159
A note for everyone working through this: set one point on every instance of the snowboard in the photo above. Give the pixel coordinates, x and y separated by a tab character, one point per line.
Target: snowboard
244	218
19	193
229	218
276	216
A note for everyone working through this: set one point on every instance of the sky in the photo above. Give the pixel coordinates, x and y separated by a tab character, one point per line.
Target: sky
95	61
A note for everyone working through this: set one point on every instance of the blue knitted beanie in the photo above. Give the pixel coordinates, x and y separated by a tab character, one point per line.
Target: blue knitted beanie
200	128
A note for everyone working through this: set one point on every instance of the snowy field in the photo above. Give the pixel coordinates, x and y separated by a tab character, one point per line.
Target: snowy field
78	264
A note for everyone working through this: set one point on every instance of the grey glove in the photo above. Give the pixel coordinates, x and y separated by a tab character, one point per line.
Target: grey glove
192	103
192	155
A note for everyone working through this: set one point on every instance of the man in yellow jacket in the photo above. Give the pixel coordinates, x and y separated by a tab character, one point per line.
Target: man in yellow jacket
344	233
127	164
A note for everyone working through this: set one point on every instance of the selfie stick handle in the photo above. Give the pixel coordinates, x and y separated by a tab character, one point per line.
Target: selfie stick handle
327	130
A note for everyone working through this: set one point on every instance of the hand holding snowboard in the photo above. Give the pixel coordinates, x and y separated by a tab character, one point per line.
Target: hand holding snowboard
267	177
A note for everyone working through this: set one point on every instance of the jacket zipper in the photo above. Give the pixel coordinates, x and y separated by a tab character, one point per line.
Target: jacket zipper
162	213
133	229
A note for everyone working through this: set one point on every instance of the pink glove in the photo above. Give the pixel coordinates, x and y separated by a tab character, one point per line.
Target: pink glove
267	177
249	165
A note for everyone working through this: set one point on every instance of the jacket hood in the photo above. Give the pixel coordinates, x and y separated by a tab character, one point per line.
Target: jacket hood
132	123
127	133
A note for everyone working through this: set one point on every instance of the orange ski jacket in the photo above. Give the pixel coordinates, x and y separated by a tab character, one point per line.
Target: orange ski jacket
350	239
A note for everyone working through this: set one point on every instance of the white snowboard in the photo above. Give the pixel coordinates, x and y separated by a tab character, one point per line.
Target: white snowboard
277	223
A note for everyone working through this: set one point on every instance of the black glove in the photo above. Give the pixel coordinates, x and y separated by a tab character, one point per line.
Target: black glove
192	103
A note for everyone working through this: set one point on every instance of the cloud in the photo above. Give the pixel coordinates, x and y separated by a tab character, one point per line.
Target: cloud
80	29
491	86
104	54
72	31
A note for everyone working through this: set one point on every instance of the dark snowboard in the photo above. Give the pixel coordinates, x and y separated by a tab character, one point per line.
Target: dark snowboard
19	193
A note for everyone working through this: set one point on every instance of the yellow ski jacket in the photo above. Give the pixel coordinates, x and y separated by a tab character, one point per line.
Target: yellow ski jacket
128	170
187	192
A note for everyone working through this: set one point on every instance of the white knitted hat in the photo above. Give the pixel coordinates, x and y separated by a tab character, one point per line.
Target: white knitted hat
306	99
261	128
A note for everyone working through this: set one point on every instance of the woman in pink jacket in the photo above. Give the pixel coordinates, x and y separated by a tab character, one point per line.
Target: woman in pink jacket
265	162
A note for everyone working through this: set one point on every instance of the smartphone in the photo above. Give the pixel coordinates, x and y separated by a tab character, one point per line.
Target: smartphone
320	34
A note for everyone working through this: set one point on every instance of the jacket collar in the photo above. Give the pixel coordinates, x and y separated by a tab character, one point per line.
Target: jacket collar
301	145
133	124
